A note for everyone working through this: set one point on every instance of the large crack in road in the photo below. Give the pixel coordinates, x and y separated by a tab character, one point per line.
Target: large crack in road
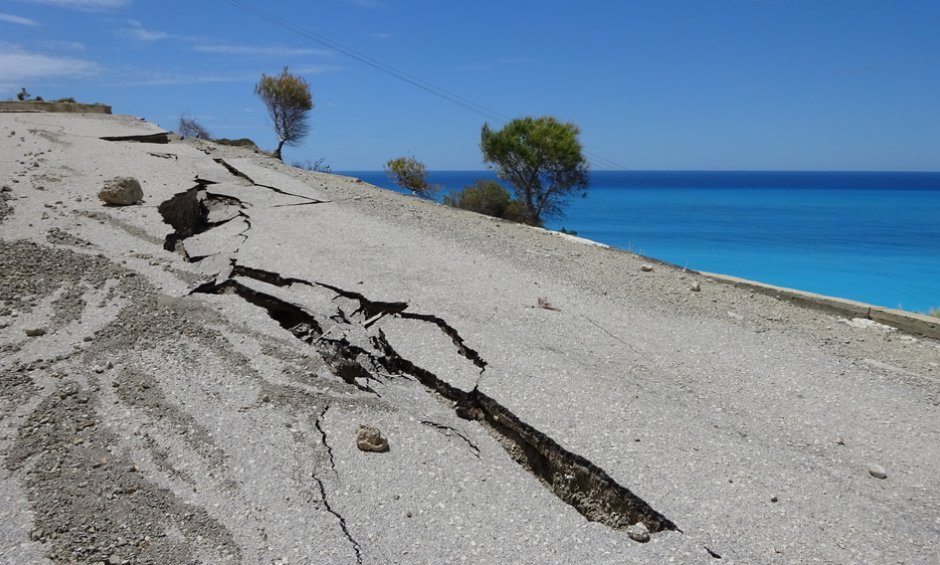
571	477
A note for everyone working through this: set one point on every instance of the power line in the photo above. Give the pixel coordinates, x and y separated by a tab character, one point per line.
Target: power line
452	97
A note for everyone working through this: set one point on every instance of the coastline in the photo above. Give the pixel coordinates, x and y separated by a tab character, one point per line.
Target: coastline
863	236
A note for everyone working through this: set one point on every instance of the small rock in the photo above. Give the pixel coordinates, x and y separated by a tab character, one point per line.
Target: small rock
639	532
696	287
774	499
369	438
877	471
646	268
840	440
266	398
115	559
35	332
121	191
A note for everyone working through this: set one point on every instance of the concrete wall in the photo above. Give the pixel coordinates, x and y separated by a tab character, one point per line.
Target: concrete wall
62	107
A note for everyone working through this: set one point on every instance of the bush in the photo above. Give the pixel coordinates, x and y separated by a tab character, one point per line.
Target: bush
242	142
935	312
410	174
189	127
484	197
318	166
487	197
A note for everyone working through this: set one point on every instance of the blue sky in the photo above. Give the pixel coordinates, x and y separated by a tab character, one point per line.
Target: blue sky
653	84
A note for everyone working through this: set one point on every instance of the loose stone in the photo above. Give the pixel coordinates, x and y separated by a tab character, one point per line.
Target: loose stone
369	438
639	532
877	471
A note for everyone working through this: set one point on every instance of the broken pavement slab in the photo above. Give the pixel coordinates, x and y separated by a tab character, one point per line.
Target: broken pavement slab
223	383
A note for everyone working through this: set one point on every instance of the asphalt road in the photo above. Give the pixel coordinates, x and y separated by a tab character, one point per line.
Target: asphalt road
183	380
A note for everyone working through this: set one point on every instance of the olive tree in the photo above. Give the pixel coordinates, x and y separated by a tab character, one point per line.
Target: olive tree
410	174
288	100
542	159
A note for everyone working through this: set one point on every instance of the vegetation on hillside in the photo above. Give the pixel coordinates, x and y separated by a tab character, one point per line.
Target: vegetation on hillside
288	100
189	127
487	197
542	159
410	174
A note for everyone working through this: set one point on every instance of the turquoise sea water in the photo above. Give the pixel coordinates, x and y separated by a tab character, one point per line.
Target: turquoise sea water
872	237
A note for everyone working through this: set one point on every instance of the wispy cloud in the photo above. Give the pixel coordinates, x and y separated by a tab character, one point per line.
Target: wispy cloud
363	3
315	69
161	78
140	33
62	46
85	5
19	20
383	35
258	51
153	77
18	66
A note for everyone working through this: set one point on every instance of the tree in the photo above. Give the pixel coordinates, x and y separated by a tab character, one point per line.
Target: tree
410	174
22	95
542	159
189	127
288	100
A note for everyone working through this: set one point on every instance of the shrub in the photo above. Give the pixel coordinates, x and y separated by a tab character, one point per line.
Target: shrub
487	197
189	127
318	166
410	174
935	312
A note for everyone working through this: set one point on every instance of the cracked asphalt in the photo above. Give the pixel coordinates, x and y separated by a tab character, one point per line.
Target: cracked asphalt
181	381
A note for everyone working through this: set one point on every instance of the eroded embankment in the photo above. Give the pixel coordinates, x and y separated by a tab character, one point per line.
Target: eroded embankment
571	477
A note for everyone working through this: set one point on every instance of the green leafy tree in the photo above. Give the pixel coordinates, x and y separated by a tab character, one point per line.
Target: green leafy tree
288	100
542	159
410	174
487	197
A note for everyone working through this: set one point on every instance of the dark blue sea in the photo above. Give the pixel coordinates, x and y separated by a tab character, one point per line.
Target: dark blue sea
872	237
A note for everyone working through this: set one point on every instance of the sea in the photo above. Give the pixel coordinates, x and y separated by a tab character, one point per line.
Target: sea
867	236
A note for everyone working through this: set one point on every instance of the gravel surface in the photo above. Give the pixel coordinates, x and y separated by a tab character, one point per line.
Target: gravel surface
257	364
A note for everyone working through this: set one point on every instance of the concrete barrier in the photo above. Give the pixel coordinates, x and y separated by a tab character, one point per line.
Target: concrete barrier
910	322
60	107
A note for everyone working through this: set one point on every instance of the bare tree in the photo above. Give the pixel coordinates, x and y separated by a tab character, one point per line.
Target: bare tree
189	127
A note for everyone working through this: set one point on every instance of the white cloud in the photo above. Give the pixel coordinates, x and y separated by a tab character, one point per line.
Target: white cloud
383	35
140	33
62	46
159	78
86	5
10	18
18	66
255	51
315	69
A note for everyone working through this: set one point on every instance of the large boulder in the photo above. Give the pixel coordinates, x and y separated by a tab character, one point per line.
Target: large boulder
121	191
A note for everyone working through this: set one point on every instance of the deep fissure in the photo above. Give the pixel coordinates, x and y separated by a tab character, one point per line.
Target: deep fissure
242	175
571	477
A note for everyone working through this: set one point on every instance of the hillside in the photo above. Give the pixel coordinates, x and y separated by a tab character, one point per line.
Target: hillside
184	380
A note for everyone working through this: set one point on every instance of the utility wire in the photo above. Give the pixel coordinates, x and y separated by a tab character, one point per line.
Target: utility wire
454	98
463	102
